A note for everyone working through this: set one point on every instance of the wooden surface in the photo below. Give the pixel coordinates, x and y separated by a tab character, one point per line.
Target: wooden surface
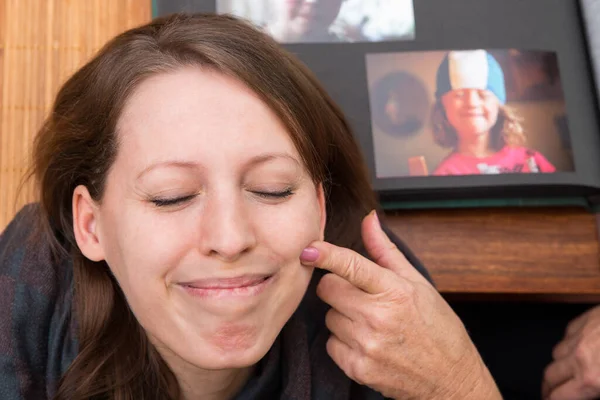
42	42
537	251
530	251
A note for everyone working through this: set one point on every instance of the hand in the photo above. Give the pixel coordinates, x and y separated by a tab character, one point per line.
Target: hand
575	372
390	329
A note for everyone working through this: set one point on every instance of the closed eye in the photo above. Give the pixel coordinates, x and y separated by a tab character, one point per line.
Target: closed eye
274	195
166	202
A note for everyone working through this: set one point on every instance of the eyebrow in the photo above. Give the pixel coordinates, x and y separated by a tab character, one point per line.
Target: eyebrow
254	161
264	158
164	164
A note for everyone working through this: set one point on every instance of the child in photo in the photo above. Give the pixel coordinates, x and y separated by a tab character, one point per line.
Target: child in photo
470	116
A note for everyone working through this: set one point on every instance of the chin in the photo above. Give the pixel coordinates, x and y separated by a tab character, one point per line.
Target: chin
236	345
476	130
241	357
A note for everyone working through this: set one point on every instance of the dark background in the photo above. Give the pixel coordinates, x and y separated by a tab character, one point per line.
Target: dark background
515	339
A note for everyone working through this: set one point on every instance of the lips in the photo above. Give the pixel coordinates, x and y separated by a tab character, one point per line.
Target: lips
227	283
473	114
238	287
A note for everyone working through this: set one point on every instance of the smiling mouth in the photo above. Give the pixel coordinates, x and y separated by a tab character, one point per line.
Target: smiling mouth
473	113
245	286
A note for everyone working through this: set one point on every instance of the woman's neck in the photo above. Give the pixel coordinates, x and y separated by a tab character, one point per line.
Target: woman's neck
212	385
478	146
198	383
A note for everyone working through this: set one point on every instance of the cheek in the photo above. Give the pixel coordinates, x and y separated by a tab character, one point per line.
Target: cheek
283	246
493	116
452	114
138	244
287	230
141	250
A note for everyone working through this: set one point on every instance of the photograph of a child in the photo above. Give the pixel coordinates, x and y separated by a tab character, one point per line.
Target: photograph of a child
467	112
327	21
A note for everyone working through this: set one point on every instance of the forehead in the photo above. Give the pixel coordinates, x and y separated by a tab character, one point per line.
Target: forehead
195	113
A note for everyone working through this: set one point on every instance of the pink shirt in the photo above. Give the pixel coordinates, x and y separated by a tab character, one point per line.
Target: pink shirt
507	160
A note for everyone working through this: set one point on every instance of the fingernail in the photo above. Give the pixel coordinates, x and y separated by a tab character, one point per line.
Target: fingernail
309	254
376	218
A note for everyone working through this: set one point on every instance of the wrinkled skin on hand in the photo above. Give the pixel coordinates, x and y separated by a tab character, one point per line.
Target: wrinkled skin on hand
390	329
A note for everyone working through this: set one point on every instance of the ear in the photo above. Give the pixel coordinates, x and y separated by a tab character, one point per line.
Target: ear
322	209
85	224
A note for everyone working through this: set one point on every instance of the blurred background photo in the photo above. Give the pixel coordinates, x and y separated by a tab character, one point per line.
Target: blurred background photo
327	21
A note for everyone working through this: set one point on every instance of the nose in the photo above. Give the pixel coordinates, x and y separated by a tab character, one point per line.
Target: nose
472	98
227	229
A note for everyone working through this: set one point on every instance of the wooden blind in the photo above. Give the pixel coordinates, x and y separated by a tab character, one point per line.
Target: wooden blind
42	42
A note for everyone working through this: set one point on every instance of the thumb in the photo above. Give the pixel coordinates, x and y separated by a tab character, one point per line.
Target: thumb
384	252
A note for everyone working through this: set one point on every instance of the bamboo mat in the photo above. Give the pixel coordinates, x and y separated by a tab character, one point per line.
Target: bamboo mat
42	42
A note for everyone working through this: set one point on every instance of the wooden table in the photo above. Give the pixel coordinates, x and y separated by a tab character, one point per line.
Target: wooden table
549	254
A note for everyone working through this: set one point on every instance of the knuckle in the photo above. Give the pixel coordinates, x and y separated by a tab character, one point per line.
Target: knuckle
404	293
378	321
546	375
550	372
371	347
352	266
581	353
408	291
571	327
557	351
359	371
585	330
591	379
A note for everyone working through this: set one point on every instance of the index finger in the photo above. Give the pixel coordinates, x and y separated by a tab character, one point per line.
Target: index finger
356	269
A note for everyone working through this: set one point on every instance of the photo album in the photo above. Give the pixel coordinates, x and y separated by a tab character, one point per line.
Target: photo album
453	101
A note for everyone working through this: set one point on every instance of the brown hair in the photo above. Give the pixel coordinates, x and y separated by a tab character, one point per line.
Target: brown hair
507	130
78	144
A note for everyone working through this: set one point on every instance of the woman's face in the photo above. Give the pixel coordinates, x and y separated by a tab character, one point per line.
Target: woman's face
472	112
206	211
306	16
